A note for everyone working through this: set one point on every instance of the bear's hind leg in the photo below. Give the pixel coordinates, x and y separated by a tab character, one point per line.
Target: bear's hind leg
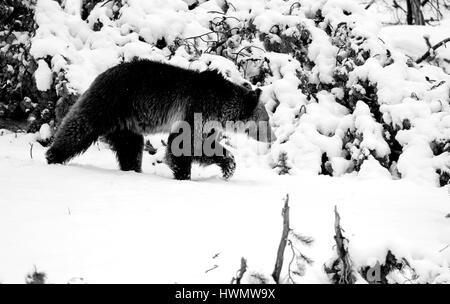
179	164
128	147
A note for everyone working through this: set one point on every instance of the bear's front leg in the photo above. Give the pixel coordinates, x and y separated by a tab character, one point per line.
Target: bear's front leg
228	166
179	164
181	167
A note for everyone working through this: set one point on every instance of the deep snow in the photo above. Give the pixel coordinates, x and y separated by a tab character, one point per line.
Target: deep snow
89	220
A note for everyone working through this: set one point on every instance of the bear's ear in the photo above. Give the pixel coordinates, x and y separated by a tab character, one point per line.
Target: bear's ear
247	85
258	92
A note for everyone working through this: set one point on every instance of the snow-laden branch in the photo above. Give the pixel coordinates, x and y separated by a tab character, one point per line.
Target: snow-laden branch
432	49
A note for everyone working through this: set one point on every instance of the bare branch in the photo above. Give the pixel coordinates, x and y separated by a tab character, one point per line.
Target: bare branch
444	248
290	263
369	4
246	48
396	5
31	150
284	238
346	276
433	48
212	268
294	5
240	272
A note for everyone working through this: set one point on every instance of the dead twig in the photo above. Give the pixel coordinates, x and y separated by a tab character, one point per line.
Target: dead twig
346	276
212	268
437	85
369	4
224	18
294	5
432	49
444	248
298	256
290	263
240	272
283	242
31	150
202	35
246	48
396	5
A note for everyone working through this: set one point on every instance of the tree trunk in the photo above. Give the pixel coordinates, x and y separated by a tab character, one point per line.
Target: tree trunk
414	13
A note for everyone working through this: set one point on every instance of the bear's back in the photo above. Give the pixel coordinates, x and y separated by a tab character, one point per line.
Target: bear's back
163	75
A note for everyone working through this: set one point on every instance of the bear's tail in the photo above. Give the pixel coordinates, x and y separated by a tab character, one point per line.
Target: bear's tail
75	135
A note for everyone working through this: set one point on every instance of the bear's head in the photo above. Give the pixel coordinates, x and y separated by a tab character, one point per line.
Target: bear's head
253	115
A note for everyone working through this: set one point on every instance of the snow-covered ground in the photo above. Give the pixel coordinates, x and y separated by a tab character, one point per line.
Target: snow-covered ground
89	220
342	90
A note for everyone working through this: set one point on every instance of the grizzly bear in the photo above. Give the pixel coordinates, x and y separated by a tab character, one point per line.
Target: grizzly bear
145	97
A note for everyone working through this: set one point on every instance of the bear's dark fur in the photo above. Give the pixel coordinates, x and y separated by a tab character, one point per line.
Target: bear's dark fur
142	97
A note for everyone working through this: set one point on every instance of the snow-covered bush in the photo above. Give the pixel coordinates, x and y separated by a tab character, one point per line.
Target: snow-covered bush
19	96
340	97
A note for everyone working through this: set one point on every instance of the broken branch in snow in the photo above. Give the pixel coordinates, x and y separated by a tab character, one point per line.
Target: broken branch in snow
444	248
368	5
432	49
31	150
342	267
437	85
283	242
240	272
346	275
212	268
